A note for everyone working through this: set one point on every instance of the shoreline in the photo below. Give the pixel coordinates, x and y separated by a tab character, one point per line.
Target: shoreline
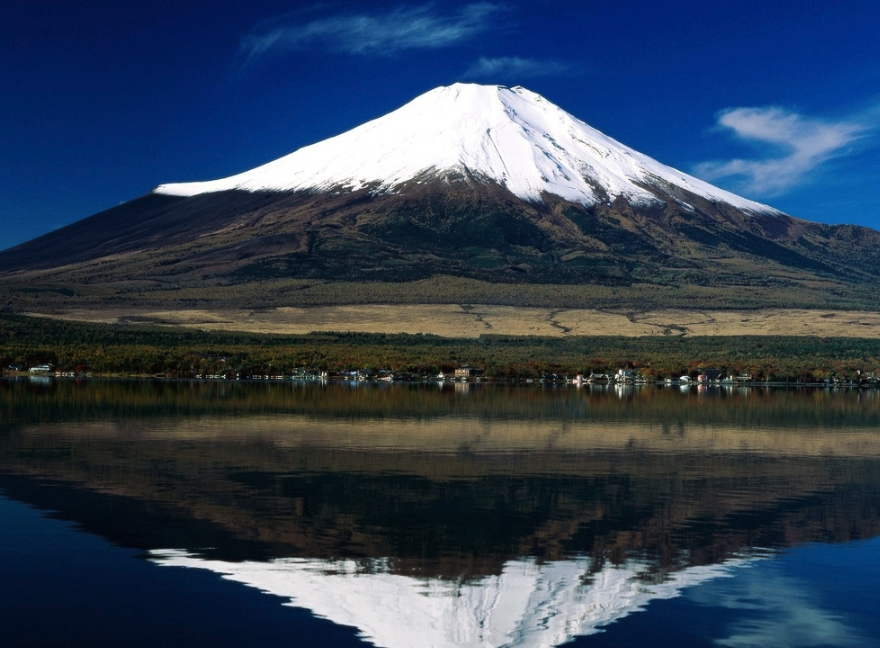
489	381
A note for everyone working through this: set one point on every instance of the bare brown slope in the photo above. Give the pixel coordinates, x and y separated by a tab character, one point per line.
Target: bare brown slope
464	230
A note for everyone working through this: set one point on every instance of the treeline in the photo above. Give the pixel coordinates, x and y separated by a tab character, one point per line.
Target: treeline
178	352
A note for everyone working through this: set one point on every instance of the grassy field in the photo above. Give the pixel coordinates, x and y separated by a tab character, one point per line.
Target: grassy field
40	293
474	320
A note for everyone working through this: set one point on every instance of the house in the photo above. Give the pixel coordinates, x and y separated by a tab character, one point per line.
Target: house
708	374
467	373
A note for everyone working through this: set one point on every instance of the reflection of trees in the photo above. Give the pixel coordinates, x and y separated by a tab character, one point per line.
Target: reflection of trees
461	484
25	402
453	514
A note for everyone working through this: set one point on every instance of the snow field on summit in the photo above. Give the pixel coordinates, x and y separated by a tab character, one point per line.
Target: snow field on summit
510	136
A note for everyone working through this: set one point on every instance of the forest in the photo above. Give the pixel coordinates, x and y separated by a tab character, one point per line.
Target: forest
185	353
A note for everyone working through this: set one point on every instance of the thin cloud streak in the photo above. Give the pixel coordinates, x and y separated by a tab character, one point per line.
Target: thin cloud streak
514	66
805	145
381	34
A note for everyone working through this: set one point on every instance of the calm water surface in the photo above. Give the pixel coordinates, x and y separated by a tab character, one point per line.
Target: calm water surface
185	514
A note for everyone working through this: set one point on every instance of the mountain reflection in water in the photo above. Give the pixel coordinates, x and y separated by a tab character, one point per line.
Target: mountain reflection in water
527	604
428	515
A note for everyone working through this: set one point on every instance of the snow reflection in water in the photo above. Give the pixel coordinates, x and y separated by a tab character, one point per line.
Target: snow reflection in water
528	604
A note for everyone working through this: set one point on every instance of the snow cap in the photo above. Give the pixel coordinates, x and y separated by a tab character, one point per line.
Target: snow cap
510	136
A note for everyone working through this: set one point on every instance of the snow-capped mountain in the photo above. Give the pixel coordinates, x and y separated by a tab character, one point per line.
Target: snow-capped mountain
510	136
465	183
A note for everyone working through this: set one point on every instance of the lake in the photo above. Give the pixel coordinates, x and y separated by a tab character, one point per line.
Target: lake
161	513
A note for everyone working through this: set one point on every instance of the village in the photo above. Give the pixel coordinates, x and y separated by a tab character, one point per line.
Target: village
703	376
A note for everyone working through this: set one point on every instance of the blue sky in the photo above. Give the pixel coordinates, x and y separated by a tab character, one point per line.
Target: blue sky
103	100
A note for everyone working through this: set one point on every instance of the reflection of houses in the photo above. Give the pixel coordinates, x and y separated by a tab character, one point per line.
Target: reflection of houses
468	373
301	373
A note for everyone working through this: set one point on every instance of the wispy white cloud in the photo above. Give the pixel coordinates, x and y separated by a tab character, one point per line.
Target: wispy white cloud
795	146
376	33
515	67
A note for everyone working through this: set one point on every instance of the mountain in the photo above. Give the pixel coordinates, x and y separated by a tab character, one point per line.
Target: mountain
455	197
